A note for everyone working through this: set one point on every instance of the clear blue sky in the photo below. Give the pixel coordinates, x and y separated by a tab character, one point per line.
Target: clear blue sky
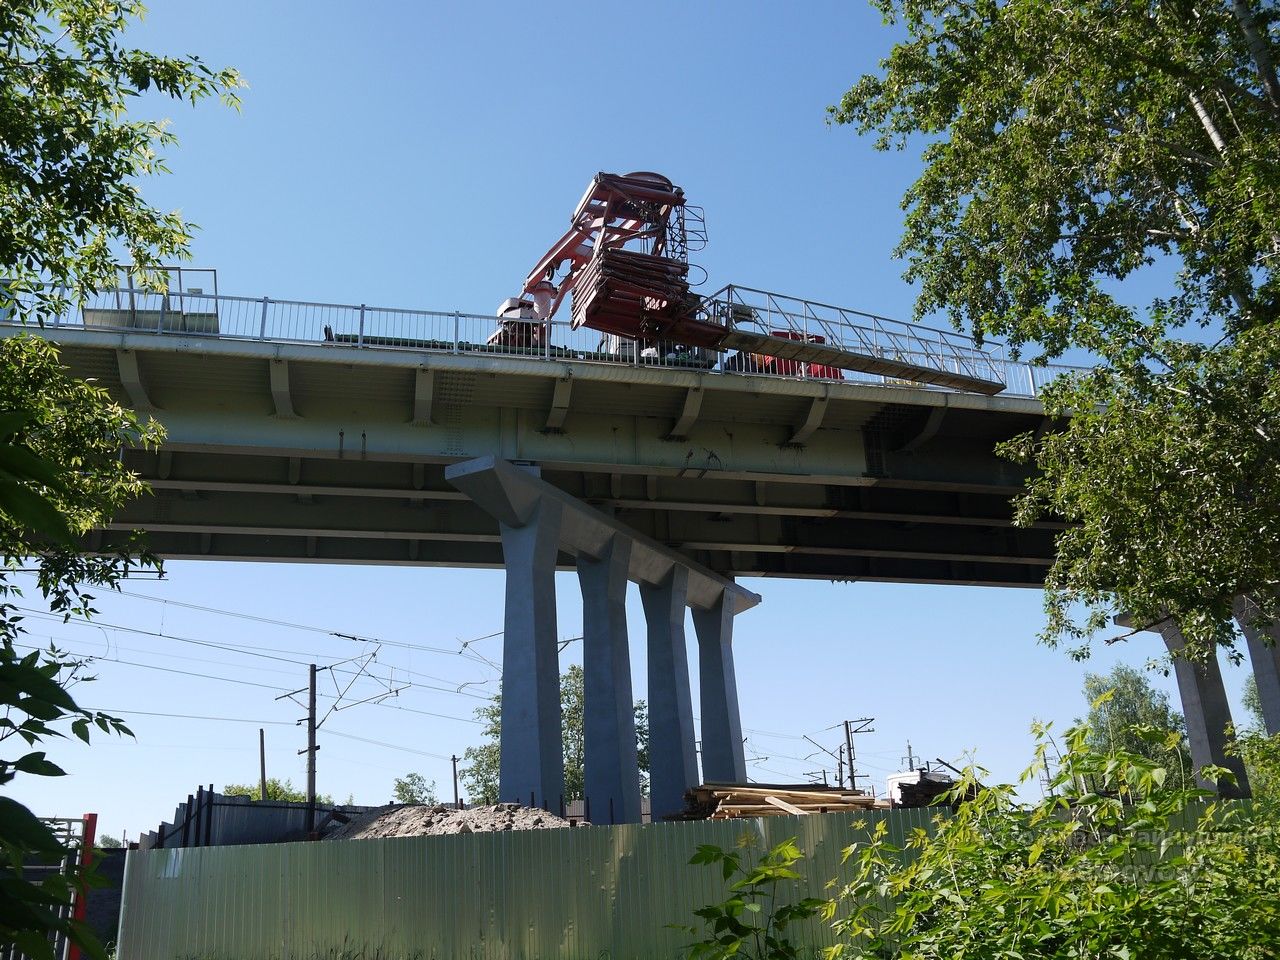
425	155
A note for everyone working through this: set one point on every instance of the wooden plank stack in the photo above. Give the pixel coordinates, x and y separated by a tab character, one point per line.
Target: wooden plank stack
726	801
619	290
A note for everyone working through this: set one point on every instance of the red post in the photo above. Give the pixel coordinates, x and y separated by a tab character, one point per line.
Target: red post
88	837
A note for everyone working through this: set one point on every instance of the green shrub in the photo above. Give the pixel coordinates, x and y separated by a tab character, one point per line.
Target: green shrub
1116	861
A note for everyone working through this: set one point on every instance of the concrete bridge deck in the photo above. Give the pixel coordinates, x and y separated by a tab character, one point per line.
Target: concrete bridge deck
332	452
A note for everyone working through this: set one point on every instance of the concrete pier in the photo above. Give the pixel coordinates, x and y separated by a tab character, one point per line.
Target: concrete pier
1207	712
540	525
723	754
532	764
612	778
1264	656
673	759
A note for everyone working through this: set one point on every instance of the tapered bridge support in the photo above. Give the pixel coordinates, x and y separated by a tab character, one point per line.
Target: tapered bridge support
612	777
673	759
531	769
723	754
1207	712
1264	656
539	524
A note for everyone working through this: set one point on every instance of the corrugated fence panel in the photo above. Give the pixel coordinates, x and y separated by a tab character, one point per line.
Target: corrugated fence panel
571	894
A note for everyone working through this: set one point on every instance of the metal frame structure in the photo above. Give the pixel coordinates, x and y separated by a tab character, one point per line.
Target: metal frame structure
77	836
810	323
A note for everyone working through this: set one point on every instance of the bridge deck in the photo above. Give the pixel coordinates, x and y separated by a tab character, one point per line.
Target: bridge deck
283	449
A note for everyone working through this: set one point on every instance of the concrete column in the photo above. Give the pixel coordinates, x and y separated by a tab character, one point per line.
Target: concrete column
612	779
532	763
1264	656
723	757
673	759
1204	704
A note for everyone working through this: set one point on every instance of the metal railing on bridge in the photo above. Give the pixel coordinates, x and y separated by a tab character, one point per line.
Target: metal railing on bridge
198	314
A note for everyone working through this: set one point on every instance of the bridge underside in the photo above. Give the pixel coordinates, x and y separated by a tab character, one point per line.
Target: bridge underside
219	506
334	454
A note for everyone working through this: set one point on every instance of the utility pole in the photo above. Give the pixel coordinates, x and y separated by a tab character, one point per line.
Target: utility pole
311	750
909	761
848	744
456	804
262	764
852	727
840	766
313	723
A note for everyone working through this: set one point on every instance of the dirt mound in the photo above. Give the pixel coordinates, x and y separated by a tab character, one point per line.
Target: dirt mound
413	820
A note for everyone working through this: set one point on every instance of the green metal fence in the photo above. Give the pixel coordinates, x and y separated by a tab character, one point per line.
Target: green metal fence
588	893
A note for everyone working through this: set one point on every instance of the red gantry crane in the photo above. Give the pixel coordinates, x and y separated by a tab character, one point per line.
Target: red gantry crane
625	258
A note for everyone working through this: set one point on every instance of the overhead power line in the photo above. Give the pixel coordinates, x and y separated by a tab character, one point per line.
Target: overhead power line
389	746
190	716
293	625
98	658
252	651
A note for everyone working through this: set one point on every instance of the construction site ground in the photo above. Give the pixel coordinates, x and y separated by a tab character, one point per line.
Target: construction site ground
423	820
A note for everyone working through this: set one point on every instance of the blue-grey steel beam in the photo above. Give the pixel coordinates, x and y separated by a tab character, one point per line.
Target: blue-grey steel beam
723	756
531	769
612	777
673	760
1264	656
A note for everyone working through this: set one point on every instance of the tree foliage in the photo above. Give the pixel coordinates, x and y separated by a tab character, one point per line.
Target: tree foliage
1127	715
414	788
753	921
1138	868
483	762
1074	156
280	791
60	476
1252	702
70	159
71	154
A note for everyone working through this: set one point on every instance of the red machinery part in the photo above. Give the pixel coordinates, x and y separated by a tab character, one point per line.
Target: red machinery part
88	837
626	254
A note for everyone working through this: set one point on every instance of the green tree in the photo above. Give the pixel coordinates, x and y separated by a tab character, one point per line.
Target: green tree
480	775
1067	150
60	476
1127	715
107	842
277	790
1136	868
414	788
1252	703
70	160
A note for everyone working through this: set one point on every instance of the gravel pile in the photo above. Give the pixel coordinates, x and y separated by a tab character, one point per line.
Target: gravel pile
400	820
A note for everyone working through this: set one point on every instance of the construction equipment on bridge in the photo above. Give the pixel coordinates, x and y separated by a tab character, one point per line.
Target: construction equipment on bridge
625	258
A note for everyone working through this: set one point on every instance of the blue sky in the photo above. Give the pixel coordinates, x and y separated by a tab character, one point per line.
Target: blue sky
424	155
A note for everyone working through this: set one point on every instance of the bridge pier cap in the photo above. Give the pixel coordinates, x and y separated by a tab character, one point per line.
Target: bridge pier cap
511	494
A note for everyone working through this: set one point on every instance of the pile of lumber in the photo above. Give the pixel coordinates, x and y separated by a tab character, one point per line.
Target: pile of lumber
726	801
620	291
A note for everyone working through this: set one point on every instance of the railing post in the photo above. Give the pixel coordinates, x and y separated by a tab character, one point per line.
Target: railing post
360	334
457	327
262	329
164	300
